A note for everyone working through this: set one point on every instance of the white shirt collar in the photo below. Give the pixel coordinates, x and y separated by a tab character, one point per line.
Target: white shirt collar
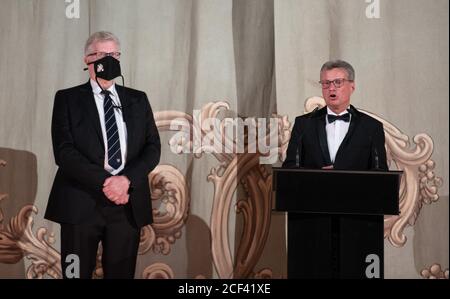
97	90
329	111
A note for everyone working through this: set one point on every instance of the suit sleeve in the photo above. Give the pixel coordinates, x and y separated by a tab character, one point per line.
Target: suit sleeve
70	161
138	169
378	149
294	146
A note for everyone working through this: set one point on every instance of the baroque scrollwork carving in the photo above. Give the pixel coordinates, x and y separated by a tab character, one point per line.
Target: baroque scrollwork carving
265	273
46	260
170	194
2	196
169	188
17	240
158	271
234	168
419	183
435	272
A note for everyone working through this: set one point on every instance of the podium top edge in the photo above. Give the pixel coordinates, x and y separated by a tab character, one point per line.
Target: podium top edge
392	172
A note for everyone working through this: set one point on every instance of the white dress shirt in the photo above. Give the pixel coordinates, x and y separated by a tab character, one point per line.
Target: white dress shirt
121	126
336	132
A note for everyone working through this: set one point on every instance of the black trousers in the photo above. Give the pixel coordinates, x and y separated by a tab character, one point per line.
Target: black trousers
325	246
113	226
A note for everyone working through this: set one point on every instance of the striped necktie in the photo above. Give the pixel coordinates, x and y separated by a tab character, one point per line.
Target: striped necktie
112	133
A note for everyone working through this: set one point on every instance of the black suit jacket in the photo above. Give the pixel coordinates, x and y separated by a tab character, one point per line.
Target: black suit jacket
79	152
362	148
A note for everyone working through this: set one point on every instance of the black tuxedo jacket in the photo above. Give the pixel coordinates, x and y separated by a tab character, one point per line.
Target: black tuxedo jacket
362	148
79	152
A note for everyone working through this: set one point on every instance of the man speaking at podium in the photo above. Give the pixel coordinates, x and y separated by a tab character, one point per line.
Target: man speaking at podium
339	137
105	142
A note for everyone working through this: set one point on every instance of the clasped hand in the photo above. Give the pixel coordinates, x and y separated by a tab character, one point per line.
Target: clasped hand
115	189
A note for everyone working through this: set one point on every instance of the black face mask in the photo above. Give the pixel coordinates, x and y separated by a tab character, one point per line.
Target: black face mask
107	68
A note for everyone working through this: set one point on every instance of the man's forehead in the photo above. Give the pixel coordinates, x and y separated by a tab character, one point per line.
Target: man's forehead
105	45
334	72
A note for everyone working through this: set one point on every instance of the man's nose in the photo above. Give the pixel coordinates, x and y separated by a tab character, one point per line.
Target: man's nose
332	87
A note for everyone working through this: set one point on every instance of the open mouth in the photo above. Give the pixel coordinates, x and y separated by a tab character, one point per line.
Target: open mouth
332	96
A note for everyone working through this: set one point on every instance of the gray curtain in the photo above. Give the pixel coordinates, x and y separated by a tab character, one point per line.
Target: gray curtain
260	56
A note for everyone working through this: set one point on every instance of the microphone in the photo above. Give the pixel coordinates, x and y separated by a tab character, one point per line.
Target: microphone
298	154
116	106
86	68
377	165
375	155
351	110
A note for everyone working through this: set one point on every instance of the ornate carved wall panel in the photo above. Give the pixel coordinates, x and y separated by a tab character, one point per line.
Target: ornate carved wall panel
435	272
171	198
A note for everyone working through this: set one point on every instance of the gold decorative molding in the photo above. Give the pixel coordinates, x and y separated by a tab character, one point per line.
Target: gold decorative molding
233	169
169	187
170	194
158	271
98	271
18	240
2	197
435	272
419	183
264	274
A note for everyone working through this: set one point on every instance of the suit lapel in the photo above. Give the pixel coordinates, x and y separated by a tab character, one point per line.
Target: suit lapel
88	101
126	103
322	134
353	124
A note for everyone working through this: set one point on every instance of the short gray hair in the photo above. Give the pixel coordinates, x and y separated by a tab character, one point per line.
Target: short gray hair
100	36
339	64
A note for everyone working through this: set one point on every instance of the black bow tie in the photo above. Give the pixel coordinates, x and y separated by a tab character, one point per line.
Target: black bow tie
345	117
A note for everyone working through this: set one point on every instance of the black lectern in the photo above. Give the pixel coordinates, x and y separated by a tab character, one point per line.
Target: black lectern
335	219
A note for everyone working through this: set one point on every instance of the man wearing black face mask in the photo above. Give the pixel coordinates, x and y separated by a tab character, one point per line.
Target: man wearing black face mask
105	142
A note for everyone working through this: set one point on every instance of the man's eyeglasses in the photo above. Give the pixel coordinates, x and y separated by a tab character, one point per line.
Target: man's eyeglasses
100	55
337	83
